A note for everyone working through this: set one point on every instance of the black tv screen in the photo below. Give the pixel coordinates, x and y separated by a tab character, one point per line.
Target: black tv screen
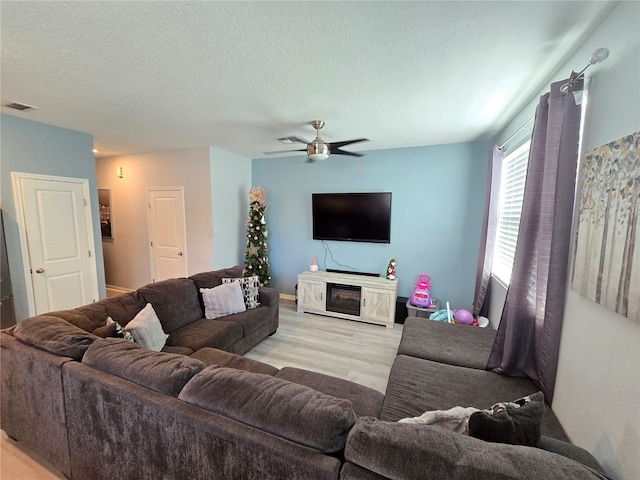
355	217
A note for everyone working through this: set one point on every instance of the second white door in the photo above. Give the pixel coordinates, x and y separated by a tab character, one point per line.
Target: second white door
167	233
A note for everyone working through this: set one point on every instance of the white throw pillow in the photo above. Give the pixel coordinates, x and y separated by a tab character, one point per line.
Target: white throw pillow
147	330
223	300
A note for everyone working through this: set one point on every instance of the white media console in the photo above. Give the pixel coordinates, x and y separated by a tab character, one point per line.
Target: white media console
349	296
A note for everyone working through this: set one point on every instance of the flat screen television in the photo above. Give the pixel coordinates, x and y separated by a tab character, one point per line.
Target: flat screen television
354	217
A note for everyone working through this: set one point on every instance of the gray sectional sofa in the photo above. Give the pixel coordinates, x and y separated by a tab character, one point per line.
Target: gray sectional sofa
109	408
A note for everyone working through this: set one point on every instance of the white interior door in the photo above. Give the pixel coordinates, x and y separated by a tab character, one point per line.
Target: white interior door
167	233
57	238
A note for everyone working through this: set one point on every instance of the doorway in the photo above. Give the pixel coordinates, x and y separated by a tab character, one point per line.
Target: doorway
56	238
167	232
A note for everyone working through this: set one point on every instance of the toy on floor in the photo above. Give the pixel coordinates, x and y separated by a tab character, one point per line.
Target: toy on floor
421	296
463	316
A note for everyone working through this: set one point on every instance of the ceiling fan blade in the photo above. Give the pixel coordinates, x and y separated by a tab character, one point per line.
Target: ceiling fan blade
344	152
285	151
344	143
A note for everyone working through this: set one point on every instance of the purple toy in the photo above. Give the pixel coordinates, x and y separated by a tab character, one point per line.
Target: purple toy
463	316
421	296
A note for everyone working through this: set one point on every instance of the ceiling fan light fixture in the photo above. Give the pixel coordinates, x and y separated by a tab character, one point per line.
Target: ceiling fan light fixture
318	156
317	150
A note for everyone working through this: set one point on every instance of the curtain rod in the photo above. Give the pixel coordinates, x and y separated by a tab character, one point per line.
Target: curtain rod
599	56
501	147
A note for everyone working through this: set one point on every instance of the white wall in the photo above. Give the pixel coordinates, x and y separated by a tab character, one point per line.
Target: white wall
230	185
127	261
597	394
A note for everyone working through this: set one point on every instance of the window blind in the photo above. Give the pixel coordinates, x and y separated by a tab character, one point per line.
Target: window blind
514	175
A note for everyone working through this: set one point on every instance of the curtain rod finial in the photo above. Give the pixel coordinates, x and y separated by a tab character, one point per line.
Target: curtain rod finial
600	55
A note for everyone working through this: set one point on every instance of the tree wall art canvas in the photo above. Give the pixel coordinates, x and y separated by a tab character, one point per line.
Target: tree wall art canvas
606	265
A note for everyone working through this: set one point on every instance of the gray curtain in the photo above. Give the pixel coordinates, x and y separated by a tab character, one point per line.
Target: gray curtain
528	338
488	237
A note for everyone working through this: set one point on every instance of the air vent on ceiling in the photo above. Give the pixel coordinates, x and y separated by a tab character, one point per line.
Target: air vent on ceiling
20	106
290	140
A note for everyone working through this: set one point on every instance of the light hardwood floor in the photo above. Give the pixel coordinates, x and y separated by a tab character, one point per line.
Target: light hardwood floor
354	351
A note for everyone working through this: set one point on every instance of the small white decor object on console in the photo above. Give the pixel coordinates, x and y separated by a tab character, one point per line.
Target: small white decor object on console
349	296
314	265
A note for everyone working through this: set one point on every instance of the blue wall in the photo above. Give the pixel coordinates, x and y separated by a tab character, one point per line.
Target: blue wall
438	199
32	147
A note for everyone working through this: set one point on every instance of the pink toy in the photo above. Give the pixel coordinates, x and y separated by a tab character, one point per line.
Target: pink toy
421	296
464	317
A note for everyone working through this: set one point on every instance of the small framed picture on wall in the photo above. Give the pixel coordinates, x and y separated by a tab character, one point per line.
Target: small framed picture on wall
104	200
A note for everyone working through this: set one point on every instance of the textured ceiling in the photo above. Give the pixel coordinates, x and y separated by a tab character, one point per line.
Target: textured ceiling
145	76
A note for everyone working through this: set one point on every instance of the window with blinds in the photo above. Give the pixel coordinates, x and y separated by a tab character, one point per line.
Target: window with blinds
514	174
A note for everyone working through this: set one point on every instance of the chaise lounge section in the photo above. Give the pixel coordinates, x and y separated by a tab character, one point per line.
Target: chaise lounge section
440	366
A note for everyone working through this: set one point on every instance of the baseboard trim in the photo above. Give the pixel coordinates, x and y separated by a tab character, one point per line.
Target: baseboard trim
113	291
287	296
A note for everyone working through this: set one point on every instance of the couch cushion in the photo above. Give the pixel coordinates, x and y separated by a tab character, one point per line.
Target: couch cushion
416	386
163	372
54	335
454	344
399	450
250	320
571	451
78	318
177	350
214	356
176	301
121	309
366	401
206	333
286	409
214	278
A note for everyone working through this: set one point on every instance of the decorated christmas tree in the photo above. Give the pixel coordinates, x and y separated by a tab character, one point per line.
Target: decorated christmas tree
256	260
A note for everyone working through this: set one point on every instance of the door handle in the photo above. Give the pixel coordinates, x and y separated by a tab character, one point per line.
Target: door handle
179	254
39	270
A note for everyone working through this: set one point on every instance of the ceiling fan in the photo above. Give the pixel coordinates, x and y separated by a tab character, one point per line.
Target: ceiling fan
318	149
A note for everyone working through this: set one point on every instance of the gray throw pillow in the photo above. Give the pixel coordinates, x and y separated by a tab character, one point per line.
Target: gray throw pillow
223	300
517	423
250	287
